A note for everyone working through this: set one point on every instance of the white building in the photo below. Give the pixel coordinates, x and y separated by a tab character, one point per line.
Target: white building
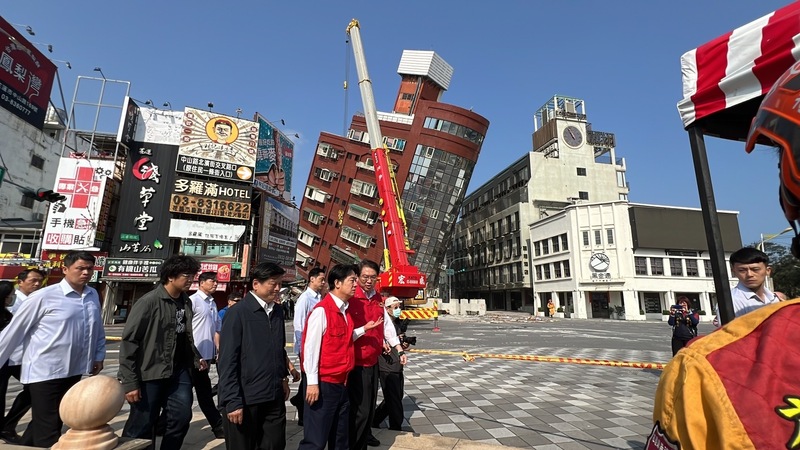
30	157
569	163
618	259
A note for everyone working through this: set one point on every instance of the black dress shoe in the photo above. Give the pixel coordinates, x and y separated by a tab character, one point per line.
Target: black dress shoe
218	431
373	442
10	436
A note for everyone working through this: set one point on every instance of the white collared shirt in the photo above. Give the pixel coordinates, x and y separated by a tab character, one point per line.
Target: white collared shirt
389	333
305	304
61	333
744	300
205	324
316	326
267	306
16	358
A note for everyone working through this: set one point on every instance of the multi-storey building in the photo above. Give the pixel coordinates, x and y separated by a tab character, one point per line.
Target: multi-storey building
433	147
570	163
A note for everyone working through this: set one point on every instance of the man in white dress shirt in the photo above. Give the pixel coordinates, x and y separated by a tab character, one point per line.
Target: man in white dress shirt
62	333
751	266
305	303
206	325
28	281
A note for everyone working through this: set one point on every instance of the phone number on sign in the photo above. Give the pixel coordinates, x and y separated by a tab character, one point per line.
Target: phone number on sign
189	204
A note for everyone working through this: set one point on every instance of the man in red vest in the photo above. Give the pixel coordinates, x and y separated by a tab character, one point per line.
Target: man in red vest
362	384
327	358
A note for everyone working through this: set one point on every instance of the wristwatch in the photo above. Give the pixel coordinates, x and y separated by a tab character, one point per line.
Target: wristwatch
401	353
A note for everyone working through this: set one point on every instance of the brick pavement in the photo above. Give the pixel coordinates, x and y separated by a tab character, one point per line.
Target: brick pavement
452	403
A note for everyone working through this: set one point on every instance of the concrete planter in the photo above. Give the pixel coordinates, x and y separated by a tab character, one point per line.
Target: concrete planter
559	315
665	318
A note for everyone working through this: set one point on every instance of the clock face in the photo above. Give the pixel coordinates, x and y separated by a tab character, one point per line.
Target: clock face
573	136
599	262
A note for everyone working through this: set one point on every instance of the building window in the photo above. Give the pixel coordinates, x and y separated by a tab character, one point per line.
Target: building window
583	195
610	236
623	197
545	247
538	272
537	249
565	265
585	238
455	129
691	268
581	171
407	96
27	202
675	267
555	244
557	270
641	265
37	161
707	268
564	245
18	243
656	266
621	179
547	271
598	238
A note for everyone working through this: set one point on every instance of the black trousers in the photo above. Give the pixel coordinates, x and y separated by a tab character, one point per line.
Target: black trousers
679	343
326	421
45	427
362	387
392	403
205	397
300	397
263	427
21	404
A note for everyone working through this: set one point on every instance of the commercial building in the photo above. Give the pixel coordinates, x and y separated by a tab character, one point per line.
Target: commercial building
626	261
433	147
569	163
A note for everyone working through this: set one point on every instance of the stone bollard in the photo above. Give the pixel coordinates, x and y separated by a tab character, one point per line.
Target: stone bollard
86	409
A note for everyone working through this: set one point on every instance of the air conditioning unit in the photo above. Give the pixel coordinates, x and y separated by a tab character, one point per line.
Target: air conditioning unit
370	221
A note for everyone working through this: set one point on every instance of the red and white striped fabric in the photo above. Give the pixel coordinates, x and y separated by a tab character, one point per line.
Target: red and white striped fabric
739	65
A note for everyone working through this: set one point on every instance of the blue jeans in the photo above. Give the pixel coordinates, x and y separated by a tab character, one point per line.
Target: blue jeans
173	394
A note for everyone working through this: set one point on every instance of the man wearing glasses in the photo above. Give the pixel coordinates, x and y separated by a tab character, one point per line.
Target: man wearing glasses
157	355
366	306
206	326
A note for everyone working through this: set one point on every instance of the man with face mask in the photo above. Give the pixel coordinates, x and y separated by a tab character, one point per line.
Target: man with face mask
390	374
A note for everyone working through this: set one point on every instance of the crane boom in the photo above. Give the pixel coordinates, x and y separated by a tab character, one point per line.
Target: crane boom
400	278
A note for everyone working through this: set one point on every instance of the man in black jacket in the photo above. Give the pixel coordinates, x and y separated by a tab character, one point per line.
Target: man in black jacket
253	366
157	354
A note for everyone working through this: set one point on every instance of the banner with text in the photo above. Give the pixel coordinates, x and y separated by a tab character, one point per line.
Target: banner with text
275	157
217	146
206	231
72	223
223	270
122	268
210	198
26	77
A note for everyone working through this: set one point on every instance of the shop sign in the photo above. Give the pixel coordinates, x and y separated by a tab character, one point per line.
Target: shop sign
131	268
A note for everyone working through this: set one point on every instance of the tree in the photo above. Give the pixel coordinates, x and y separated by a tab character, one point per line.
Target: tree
785	268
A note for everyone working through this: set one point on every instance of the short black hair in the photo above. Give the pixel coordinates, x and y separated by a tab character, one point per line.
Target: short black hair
368	263
340	272
749	255
176	265
207	276
78	255
315	272
264	271
234	295
22	276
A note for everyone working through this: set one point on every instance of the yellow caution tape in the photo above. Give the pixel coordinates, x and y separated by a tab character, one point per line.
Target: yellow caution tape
555	359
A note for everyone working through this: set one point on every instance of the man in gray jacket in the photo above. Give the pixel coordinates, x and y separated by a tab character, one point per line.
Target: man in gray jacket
157	354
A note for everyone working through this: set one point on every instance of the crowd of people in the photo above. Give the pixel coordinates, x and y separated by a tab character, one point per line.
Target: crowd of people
345	336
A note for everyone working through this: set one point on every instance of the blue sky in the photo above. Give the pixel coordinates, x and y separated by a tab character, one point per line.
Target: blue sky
287	60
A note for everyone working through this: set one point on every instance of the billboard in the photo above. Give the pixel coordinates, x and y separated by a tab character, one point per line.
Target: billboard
143	219
26	77
72	223
205	231
144	123
275	157
279	234
210	198
217	146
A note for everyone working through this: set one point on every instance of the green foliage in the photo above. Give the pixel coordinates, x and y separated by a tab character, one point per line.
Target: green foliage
702	312
664	312
560	309
785	268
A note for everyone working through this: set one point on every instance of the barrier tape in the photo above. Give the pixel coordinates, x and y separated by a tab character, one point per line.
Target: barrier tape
554	359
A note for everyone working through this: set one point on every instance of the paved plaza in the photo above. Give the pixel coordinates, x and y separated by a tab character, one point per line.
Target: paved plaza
455	400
